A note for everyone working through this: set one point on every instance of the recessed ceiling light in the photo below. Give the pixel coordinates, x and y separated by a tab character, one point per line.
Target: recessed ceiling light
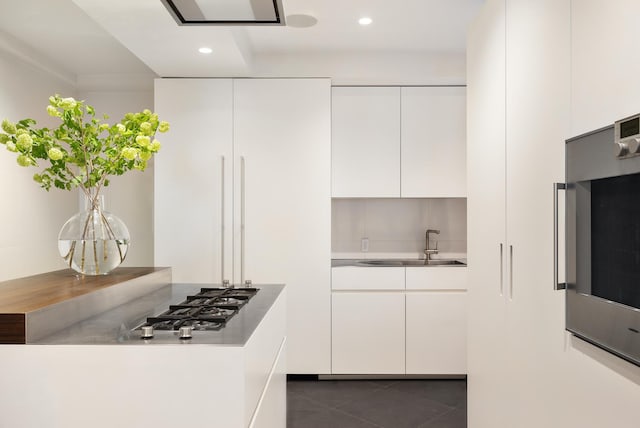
205	50
365	20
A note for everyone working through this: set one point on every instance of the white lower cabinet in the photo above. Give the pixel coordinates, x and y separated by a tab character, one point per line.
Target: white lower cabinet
436	333
408	321
272	408
368	333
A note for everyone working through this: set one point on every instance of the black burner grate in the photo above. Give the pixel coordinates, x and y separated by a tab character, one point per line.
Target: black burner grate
208	310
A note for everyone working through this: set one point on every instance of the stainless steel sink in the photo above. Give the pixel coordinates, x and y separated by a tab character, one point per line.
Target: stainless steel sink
444	263
380	262
409	262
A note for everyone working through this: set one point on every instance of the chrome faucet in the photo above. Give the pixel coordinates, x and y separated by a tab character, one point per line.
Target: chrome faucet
428	251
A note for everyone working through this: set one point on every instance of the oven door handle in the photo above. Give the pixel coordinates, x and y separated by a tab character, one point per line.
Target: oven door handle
556	284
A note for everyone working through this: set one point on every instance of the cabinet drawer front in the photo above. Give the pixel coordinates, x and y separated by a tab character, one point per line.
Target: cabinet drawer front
436	278
367	278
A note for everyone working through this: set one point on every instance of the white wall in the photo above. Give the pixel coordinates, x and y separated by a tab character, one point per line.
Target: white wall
30	218
398	225
604	63
357	68
129	196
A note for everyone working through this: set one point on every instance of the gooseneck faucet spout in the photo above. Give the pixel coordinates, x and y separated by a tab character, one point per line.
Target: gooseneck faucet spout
428	251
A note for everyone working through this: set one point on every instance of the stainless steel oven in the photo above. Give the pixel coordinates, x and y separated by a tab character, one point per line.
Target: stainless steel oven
602	193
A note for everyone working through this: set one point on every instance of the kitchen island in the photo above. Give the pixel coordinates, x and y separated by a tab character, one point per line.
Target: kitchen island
99	372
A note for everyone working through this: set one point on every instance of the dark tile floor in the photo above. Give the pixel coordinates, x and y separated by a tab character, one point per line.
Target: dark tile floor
376	403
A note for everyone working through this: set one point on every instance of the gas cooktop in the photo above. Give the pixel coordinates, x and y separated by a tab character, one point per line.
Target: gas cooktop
209	310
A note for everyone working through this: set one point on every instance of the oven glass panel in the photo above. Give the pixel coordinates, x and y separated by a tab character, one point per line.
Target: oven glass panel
615	239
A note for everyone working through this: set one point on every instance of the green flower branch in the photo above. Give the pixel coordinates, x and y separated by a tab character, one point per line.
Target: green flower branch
84	150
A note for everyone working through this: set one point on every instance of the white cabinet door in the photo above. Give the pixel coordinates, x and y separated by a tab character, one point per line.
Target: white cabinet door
530	40
436	333
283	204
272	407
189	210
487	248
538	91
365	158
368	331
433	151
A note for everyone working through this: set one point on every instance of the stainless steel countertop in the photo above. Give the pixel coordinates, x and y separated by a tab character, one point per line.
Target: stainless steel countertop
398	263
115	326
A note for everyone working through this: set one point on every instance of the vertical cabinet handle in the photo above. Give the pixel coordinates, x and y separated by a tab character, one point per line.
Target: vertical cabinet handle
556	284
222	222
242	216
501	270
511	271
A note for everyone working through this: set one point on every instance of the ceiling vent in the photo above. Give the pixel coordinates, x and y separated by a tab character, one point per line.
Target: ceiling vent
226	12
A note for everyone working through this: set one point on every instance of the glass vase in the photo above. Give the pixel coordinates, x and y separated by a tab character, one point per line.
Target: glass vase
94	241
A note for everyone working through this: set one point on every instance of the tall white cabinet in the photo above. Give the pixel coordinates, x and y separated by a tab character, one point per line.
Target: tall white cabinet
192	198
486	220
518	115
242	192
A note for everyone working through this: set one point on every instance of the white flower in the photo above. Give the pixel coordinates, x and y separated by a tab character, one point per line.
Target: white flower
155	146
53	111
68	103
163	127
24	142
23	160
9	127
129	153
145	127
55	153
143	140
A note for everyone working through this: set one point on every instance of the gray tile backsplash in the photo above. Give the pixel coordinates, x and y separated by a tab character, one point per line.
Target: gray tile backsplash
398	225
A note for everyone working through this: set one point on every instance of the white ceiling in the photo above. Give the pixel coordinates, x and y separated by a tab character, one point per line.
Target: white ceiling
65	35
139	36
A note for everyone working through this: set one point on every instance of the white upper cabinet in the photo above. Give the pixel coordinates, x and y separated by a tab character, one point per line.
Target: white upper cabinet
433	154
365	158
399	142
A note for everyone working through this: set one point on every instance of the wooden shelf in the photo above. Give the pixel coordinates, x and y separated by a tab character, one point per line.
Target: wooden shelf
22	297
